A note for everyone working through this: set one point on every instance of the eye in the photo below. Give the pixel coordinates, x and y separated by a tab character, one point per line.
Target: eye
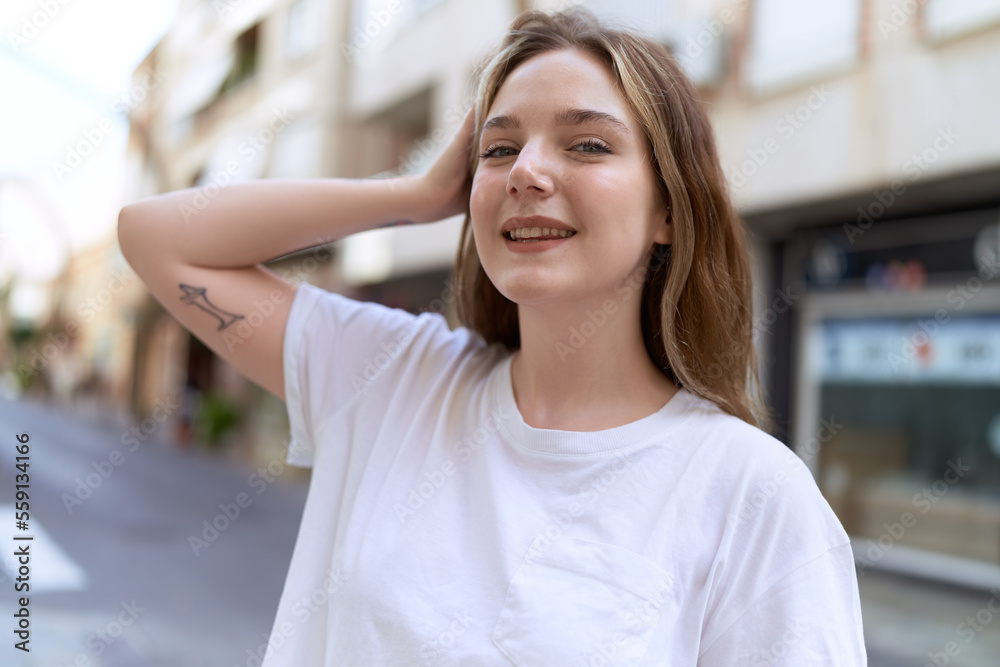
592	146
493	149
589	146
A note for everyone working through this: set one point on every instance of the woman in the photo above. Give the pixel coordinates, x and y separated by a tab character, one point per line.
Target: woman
574	477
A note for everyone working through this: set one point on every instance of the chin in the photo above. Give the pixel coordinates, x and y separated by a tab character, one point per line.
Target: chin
532	290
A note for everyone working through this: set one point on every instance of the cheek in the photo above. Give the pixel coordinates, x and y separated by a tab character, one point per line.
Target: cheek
485	200
479	213
478	201
601	189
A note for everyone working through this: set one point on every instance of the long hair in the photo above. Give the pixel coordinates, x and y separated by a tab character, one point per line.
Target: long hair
696	313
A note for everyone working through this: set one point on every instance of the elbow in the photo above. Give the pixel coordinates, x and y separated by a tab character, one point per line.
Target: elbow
126	221
134	228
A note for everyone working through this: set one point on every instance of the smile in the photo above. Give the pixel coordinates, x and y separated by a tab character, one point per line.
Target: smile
535	234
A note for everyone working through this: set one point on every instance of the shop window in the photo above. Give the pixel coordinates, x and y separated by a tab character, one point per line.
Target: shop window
795	41
896	392
912	454
950	17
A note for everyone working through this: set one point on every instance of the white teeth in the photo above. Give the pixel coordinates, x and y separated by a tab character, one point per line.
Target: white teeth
535	232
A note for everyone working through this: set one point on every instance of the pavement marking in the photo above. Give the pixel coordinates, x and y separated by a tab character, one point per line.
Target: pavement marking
52	569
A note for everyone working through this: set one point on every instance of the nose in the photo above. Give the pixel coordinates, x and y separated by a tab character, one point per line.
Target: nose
531	172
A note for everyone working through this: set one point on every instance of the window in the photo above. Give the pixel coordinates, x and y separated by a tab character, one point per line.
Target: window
375	22
245	62
949	17
656	18
304	28
794	41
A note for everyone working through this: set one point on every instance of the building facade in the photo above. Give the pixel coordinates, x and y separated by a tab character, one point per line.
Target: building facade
861	147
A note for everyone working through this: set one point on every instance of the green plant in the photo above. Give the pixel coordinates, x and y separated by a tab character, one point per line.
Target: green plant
215	416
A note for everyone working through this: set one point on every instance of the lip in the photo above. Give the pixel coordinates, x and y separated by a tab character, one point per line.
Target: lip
533	246
533	221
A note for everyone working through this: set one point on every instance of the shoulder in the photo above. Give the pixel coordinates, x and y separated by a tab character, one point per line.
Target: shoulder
773	537
748	451
391	330
759	483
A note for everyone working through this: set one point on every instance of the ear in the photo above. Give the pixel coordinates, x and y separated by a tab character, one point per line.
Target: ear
665	232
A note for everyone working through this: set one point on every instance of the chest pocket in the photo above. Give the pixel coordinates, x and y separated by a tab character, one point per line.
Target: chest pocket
583	603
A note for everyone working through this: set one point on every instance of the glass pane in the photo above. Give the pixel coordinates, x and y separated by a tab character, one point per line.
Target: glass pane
949	17
794	40
914	458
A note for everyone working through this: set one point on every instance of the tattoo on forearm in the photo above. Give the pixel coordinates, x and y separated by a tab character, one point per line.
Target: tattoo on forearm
195	296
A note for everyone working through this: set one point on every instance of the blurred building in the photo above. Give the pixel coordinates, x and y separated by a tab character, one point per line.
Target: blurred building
861	145
63	325
858	141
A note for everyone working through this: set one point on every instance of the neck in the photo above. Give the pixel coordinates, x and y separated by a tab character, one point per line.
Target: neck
584	367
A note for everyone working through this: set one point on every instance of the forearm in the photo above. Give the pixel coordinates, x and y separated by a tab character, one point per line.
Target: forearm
244	224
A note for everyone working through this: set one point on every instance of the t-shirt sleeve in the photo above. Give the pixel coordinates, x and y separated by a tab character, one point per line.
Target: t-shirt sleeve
784	584
335	349
812	616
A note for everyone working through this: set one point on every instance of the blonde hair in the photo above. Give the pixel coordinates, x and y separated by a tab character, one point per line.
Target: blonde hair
696	314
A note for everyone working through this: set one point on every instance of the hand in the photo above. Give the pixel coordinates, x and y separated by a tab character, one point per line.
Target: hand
444	190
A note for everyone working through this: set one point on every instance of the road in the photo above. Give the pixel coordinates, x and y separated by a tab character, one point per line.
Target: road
116	580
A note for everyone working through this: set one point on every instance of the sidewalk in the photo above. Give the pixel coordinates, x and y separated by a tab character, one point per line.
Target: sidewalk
912	623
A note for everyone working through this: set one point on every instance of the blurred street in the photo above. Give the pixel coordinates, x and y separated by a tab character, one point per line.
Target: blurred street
909	620
130	539
147	599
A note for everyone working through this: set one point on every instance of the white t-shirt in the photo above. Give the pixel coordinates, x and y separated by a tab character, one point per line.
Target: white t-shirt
441	529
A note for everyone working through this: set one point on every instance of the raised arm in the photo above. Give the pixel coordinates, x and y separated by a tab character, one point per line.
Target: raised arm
198	250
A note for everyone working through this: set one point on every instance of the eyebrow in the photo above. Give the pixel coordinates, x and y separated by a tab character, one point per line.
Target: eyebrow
564	117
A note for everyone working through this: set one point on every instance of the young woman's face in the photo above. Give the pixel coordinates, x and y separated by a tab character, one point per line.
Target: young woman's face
561	150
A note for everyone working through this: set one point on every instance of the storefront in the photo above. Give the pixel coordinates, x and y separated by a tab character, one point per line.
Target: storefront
894	387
